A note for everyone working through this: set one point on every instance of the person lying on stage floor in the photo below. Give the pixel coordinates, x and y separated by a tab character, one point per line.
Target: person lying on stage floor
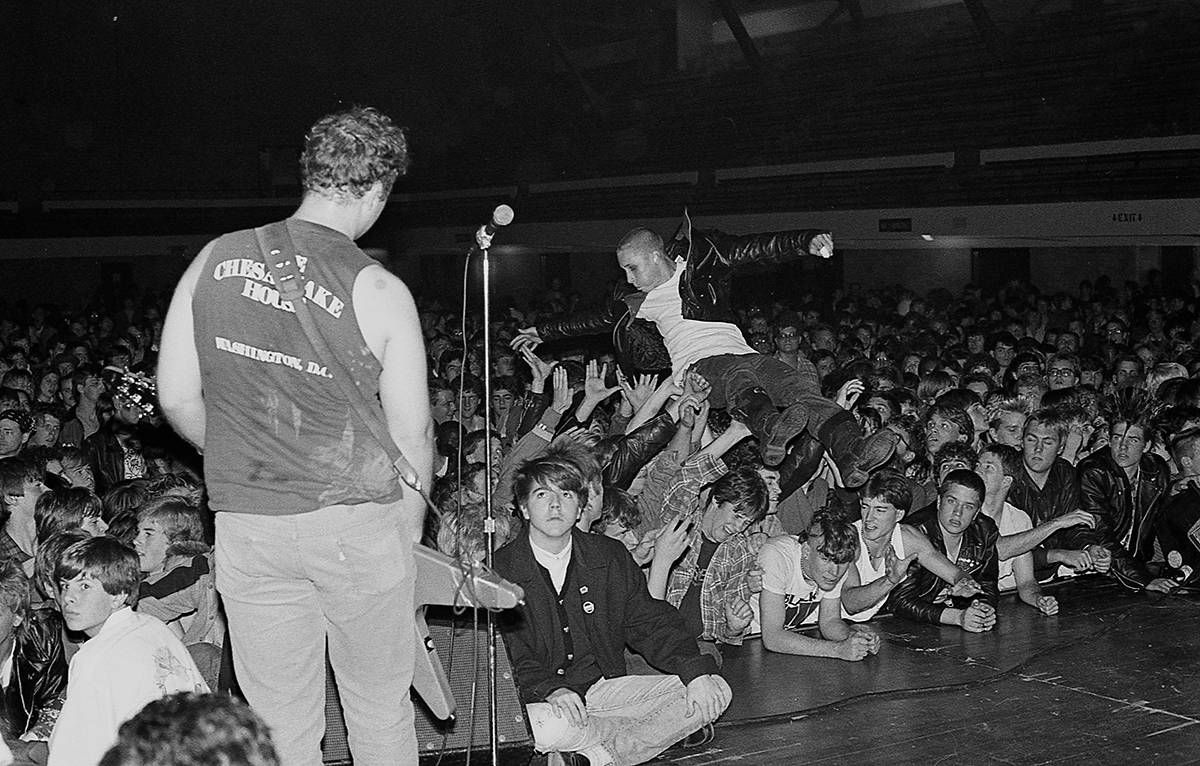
888	548
998	465
585	601
802	579
1122	486
956	528
1048	491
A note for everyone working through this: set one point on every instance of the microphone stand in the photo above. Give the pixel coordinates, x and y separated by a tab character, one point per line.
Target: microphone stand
489	522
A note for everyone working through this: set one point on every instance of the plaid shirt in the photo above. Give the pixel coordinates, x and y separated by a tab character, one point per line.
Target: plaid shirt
725	577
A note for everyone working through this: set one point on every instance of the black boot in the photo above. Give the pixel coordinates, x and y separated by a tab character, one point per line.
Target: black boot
801	462
855	456
773	428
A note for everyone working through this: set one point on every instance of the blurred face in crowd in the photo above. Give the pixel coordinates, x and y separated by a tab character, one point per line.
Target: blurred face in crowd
1003	354
1115	333
502	401
1040	447
46	431
1091	378
951	465
469	404
940	432
1061	374
1009	429
975	343
11	438
787	340
824	339
825	366
1125	373
991	470
1127	444
1067	343
151	545
443	406
1029	367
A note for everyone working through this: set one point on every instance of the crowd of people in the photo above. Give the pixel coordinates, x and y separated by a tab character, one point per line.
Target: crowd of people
1007	440
669	472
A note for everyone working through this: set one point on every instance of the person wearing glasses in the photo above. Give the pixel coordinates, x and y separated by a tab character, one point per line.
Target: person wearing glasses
1062	371
787	348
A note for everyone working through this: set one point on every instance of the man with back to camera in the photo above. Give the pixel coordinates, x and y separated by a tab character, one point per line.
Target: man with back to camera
679	314
314	530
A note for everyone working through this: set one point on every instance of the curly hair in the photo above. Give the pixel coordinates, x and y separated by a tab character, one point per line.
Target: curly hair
839	538
347	153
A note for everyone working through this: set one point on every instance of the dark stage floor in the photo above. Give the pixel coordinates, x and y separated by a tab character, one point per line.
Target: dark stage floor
1114	678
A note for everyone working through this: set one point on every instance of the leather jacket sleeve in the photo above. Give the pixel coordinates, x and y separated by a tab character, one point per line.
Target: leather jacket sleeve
720	251
596	322
637	449
39	664
1103	497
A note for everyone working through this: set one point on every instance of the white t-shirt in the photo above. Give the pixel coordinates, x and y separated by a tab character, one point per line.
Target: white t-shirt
133	660
1012	521
688	340
554	563
869	573
783	576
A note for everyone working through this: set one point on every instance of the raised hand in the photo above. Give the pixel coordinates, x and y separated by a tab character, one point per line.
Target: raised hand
821	245
594	388
673	539
848	394
897	568
562	392
539	367
526	338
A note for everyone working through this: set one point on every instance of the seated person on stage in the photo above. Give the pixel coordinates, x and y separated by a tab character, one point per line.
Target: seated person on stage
998	464
888	548
710	583
1122	486
178	587
1178	526
585	601
128	660
193	729
1048	491
802	578
956	528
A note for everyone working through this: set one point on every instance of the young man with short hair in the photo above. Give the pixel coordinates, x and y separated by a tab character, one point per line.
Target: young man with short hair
585	601
15	426
888	548
957	529
128	660
1048	489
20	487
998	465
802	582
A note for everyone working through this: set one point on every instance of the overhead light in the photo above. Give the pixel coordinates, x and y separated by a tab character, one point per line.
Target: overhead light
927	237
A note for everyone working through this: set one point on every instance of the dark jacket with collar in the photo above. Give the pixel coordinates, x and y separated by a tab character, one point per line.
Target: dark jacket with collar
624	614
1178	530
39	673
1059	496
1105	491
710	258
977	557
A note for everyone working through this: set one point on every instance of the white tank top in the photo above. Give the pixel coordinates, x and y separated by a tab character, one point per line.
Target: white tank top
868	572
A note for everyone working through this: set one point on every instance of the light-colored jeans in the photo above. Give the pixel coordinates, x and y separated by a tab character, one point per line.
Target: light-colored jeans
630	720
342	575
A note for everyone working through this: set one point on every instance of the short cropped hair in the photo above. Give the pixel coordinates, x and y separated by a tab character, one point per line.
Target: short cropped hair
745	490
346	153
890	487
1009	457
114	565
190	729
964	478
643	239
839	538
1050	417
960	451
544	471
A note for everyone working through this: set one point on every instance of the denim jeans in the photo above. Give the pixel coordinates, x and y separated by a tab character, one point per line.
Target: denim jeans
340	576
630	720
731	374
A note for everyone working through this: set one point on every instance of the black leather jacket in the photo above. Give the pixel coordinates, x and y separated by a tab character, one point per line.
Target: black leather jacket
710	258
914	597
1105	491
1179	532
39	669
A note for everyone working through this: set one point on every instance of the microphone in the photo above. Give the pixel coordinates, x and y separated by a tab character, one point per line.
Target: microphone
501	216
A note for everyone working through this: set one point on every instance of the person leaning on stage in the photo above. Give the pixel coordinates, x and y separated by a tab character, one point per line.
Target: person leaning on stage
968	538
314	531
802	579
585	601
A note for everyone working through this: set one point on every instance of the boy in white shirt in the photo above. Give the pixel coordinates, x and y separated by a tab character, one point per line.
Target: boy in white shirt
128	660
802	578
